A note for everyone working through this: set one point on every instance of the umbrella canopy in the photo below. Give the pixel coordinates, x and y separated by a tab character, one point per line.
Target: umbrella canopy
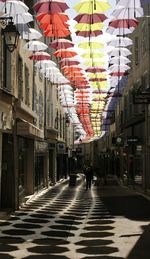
120	68
122	12
89	34
124	23
90	18
13	7
89	27
45	64
22	18
40	55
120	41
91	45
91	7
58	33
61	44
119	60
93	55
35	45
31	34
52	6
95	69
120	52
120	31
64	53
47	18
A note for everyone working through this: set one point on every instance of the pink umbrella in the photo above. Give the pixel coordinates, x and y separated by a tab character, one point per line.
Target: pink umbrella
40	55
90	18
89	33
124	23
61	44
50	6
95	69
97	79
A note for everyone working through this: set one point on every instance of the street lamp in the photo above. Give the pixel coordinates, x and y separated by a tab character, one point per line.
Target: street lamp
10	34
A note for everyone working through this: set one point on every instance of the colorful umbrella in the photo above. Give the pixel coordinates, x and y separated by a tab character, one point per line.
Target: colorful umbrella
41	55
124	23
63	53
95	69
91	45
52	6
61	44
56	18
88	34
91	7
89	27
90	18
93	55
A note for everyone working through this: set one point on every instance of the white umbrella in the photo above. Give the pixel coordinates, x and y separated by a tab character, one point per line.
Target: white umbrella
122	12
13	7
130	3
120	31
119	60
43	64
120	68
49	70
32	34
119	52
120	41
22	18
35	45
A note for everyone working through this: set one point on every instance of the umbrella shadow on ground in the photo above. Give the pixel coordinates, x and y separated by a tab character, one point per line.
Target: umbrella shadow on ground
142	247
132	207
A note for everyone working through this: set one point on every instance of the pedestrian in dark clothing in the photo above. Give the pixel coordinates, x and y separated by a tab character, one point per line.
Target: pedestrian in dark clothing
89	177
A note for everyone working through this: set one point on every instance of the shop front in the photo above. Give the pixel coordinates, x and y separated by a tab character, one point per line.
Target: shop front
41	166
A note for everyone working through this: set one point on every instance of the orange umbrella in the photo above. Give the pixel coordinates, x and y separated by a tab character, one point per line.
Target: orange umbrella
71	68
57	33
63	53
57	18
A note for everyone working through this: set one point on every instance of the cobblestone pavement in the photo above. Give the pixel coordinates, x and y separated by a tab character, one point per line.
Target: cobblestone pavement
71	222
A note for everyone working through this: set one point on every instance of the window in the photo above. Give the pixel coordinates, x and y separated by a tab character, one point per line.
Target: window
7	69
27	91
20	78
40	109
35	99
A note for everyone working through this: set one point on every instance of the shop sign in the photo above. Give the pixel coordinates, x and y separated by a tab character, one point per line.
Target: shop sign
41	147
132	140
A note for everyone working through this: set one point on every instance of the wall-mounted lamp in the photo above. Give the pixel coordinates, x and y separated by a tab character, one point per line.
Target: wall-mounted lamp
10	34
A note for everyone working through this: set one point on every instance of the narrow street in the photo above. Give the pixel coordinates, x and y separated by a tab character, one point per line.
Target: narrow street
105	222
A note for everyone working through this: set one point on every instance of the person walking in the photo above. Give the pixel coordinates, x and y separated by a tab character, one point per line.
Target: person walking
89	177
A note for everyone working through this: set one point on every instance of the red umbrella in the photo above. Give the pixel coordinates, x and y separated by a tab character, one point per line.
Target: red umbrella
89	33
61	44
90	18
95	69
50	7
124	23
40	55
